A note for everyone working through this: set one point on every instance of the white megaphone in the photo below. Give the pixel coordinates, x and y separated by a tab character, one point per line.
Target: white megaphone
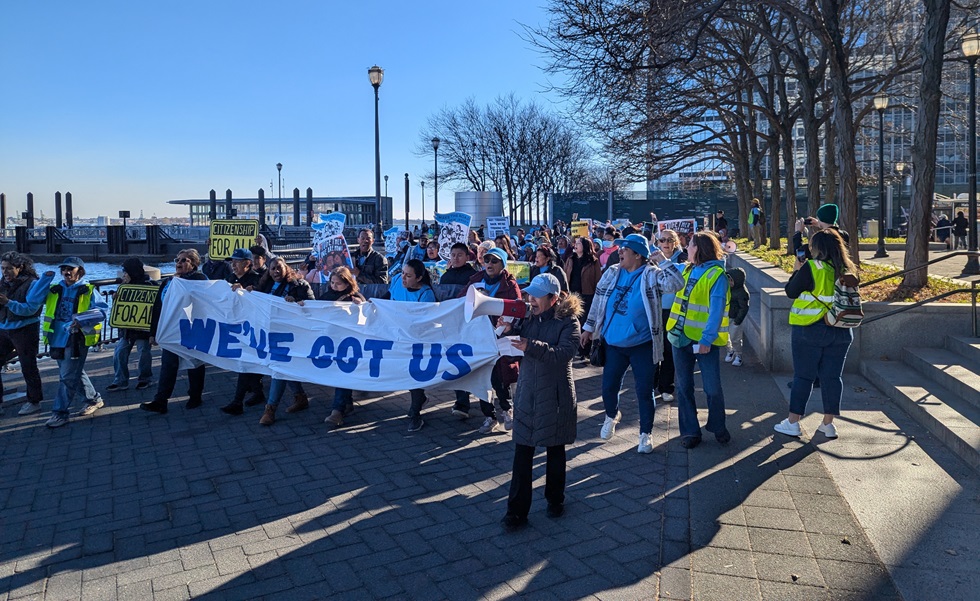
481	304
730	246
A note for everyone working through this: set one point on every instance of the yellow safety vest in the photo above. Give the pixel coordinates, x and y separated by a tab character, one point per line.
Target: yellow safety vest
82	303
696	317
810	307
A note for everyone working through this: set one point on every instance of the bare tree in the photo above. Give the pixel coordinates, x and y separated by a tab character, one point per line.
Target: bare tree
509	146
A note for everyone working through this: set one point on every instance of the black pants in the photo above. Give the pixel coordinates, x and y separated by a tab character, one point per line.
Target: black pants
247	383
169	366
663	378
25	341
502	392
418	400
519	500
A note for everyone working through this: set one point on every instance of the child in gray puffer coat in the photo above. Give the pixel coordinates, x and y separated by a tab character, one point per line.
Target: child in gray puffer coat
738	308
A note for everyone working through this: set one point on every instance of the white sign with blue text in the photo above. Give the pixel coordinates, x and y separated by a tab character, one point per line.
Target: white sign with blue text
376	346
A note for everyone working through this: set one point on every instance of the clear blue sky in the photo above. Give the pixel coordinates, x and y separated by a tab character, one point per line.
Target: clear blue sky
130	104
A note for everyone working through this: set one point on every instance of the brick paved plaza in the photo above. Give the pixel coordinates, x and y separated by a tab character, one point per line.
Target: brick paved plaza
198	504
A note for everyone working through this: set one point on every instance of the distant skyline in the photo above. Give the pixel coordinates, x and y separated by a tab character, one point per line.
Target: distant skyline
128	104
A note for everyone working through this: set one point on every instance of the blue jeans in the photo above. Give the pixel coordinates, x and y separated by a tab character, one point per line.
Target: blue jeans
70	371
687	411
818	350
618	359
120	360
278	387
342	399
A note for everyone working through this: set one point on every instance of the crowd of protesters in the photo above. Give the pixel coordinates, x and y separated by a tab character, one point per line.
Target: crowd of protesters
659	302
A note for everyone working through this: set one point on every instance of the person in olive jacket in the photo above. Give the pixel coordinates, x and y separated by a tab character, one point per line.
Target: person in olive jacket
545	411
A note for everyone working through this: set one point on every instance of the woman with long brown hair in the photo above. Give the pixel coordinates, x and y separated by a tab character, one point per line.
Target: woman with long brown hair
697	328
583	272
819	349
344	289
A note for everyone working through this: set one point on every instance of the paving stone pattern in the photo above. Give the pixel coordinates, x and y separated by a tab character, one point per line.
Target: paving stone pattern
198	504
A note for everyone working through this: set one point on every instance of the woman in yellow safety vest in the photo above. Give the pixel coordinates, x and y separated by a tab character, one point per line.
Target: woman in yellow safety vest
697	328
71	322
819	350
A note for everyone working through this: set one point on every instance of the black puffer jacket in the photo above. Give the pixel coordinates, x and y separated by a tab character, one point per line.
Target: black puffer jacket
738	306
545	410
17	291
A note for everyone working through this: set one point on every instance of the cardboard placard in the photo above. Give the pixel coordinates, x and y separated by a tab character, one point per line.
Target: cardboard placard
228	234
497	226
132	306
582	229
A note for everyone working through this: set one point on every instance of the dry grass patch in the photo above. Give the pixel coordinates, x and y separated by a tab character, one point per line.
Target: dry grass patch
890	290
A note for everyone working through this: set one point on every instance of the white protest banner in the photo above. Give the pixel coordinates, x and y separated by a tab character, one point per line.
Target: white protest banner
684	227
498	226
453	227
376	346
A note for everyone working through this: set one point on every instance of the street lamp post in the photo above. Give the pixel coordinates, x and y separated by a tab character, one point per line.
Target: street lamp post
279	212
435	183
900	169
423	200
881	103
376	75
971	51
386	186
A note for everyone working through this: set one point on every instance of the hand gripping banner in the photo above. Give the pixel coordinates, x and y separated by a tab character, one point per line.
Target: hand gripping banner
376	346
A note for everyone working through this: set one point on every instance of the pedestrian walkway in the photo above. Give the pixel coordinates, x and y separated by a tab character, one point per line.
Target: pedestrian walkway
199	504
951	268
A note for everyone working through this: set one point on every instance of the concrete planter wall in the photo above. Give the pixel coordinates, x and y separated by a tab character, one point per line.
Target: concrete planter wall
768	332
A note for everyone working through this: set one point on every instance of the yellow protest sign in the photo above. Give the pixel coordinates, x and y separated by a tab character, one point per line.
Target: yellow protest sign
580	229
229	234
521	270
132	306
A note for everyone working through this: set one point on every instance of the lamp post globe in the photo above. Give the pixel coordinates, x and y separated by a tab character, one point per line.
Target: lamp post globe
971	51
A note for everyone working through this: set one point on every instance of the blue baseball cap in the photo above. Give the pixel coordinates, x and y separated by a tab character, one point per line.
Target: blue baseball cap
241	254
542	285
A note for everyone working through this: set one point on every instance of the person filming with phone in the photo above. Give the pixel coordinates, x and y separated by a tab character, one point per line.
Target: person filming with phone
827	218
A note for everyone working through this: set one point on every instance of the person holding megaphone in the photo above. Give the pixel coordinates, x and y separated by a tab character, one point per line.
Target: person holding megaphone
545	412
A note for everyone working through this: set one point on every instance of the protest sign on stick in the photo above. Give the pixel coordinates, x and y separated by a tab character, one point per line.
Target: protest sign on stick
453	227
498	226
132	306
228	234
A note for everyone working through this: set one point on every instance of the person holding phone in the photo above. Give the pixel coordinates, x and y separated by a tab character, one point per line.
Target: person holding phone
827	217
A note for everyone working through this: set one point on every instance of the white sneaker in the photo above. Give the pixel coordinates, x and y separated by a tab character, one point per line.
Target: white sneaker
729	356
507	419
667	397
828	430
29	408
56	421
788	428
489	426
646	446
609	426
737	361
91	408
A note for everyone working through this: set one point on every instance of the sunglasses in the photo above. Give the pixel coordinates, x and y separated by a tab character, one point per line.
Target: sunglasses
663	240
182	260
493	260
